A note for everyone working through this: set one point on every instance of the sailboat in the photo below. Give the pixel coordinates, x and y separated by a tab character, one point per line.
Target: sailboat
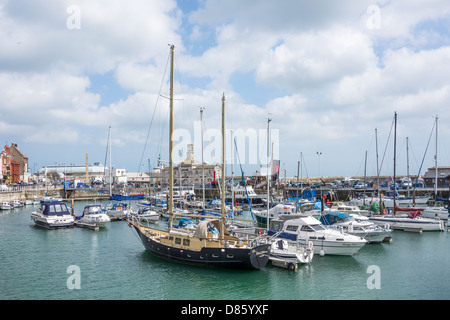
411	221
436	212
209	244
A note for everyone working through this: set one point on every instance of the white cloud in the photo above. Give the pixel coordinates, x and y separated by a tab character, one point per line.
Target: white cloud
327	78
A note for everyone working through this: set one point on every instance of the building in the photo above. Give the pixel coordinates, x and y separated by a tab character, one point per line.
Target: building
443	177
189	172
138	178
14	165
119	176
72	171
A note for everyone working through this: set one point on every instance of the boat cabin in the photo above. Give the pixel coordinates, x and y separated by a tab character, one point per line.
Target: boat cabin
92	209
54	208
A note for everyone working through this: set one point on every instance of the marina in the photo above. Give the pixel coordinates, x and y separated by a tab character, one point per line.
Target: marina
114	265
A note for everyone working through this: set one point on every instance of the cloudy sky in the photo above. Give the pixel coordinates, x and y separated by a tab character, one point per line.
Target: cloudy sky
328	73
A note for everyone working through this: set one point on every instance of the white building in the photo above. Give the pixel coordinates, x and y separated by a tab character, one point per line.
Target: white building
119	176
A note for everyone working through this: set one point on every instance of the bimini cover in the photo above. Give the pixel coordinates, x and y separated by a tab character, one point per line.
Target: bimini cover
206	226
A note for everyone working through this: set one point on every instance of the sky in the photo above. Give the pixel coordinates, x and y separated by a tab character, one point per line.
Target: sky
330	75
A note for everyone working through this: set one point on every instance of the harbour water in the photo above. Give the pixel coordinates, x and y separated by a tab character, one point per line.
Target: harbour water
35	264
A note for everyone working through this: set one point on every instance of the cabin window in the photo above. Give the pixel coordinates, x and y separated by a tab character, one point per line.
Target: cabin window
292	228
170	238
58	208
186	242
177	240
307	229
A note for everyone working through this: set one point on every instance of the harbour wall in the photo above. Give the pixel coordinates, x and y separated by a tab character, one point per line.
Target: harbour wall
210	193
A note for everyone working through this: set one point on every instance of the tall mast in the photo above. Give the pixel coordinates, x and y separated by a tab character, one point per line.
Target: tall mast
203	163
436	162
222	236
407	164
110	168
268	170
378	170
172	47
395	151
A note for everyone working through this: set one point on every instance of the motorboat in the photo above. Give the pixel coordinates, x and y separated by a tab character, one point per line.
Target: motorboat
148	215
409	222
118	211
5	205
404	201
93	214
346	222
409	219
326	241
16	203
436	212
274	213
53	214
350	209
291	254
244	194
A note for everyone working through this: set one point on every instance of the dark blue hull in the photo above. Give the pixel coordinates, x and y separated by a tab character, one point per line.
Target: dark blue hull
232	258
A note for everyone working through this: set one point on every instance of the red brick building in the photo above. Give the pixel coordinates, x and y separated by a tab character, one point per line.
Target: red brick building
14	165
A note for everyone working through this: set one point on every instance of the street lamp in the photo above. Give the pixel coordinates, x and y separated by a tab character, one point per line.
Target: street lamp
318	157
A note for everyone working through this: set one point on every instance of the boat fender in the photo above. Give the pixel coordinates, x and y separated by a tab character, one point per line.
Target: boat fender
322	253
291	266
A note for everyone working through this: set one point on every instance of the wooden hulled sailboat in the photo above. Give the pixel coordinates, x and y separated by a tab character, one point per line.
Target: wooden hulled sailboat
210	244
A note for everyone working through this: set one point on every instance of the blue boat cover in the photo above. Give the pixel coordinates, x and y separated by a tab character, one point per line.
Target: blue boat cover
54	208
330	218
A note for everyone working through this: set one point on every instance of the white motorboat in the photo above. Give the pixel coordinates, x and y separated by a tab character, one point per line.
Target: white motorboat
326	241
244	194
5	205
93	214
274	213
350	209
148	215
282	250
409	222
405	201
118	211
16	203
53	214
436	212
360	227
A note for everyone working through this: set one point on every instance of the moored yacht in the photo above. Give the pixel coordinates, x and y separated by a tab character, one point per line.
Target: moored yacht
147	215
93	214
409	222
325	241
274	213
52	214
362	228
211	244
5	205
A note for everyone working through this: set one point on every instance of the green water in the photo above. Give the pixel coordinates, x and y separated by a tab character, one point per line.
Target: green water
113	264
